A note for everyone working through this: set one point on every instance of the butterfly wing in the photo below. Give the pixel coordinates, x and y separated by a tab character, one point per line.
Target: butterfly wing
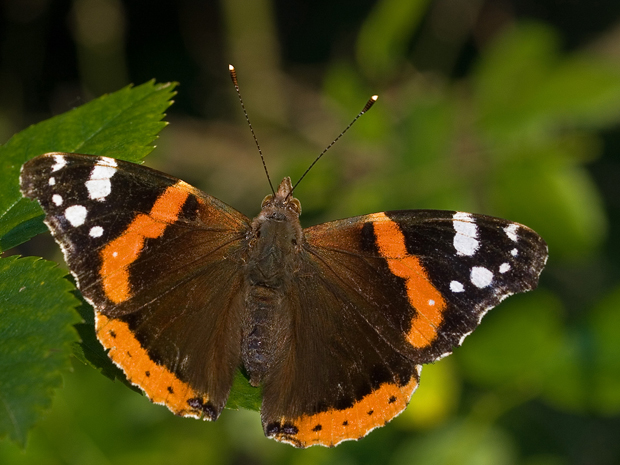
160	261
390	292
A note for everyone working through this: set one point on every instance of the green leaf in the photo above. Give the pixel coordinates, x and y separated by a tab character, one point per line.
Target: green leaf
36	329
243	394
120	125
21	222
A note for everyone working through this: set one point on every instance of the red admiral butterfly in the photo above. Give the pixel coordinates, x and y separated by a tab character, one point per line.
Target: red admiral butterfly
333	321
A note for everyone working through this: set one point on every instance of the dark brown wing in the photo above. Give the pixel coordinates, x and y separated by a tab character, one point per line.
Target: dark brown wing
161	263
378	296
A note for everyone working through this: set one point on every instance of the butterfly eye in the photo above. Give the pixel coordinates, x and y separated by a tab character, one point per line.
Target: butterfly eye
294	241
266	200
296	205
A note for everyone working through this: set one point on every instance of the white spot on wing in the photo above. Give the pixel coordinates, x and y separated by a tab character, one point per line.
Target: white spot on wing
481	277
514	252
52	181
60	162
95	231
76	215
504	267
99	185
99	189
511	231
455	286
57	199
465	241
431	302
102	172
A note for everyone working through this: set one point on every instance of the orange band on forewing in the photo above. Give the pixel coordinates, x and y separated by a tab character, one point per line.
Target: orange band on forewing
422	295
159	384
334	426
124	250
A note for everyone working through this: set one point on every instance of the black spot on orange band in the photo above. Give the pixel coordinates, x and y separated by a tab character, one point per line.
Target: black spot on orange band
423	296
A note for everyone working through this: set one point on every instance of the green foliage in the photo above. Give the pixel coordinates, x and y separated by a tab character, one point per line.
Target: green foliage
37	313
36	318
121	125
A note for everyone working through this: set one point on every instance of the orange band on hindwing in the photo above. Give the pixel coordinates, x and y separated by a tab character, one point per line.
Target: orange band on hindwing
119	254
333	426
423	296
160	385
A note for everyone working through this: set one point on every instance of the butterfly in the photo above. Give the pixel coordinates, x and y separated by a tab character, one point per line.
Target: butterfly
333	322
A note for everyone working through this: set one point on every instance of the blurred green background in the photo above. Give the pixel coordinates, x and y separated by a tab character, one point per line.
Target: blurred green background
504	107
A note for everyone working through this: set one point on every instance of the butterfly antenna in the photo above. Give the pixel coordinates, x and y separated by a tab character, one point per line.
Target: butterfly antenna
233	76
369	104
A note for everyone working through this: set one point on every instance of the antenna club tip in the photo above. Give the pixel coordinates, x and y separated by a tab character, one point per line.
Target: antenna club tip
233	74
369	104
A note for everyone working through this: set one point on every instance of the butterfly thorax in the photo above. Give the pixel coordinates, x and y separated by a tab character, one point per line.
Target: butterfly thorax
272	263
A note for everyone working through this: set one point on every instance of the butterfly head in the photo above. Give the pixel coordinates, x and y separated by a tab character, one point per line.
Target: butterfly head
275	236
283	199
